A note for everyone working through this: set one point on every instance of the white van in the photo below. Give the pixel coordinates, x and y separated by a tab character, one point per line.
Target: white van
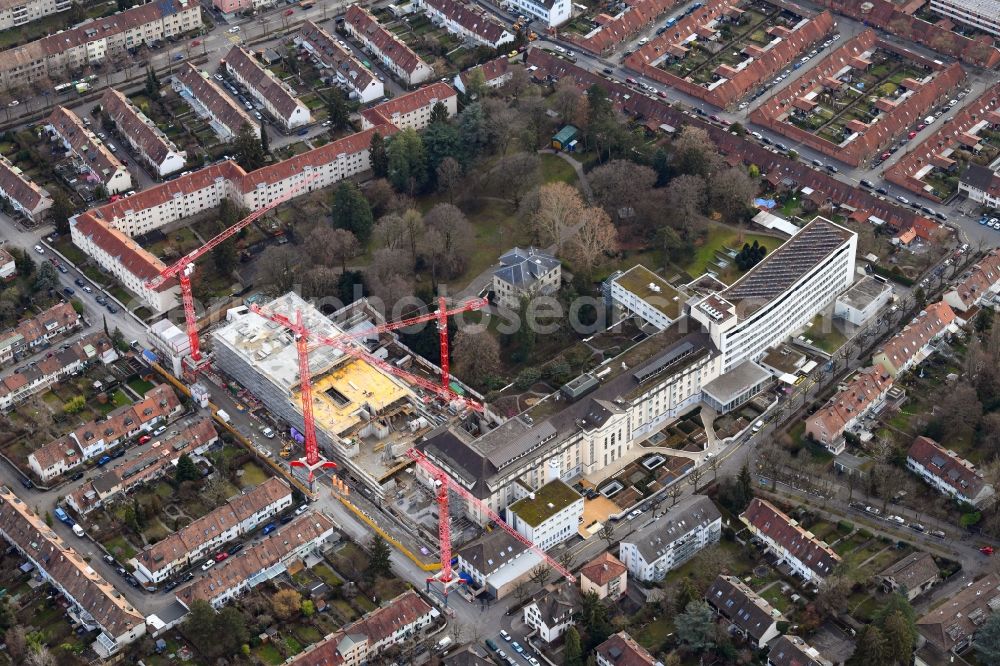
77	530
757	426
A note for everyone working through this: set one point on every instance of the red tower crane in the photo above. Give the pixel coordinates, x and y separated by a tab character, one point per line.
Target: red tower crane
446	483
312	460
344	342
183	268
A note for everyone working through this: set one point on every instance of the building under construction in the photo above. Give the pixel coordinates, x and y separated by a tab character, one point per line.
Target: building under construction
365	417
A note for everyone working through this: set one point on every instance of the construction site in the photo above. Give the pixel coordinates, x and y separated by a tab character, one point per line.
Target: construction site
364	416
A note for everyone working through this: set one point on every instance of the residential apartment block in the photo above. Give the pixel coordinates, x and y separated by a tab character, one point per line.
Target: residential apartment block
547	516
621	650
210	102
980	14
391	52
672	539
911	345
236	517
260	562
863	393
524	273
348	70
946	472
96	437
38	375
412	110
15	13
23	195
749	614
642	293
552	13
469	22
147	140
980	282
95	41
605	576
799	549
781	294
276	96
104	233
404	618
158	458
38	331
552	613
94	602
77	138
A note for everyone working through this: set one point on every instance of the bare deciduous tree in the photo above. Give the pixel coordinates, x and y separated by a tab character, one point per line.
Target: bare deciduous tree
448	247
558	211
685	199
277	267
449	178
595	239
477	356
619	186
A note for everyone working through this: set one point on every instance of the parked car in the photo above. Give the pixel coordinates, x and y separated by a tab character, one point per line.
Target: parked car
109	559
76	477
221	556
103	461
112	309
78	282
504	635
39	249
270	527
235	549
208	565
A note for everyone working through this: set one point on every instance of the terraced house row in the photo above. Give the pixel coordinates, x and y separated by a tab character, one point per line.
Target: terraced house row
105	232
391	51
36	332
97	41
274	94
96	437
146	139
23	195
66	127
236	517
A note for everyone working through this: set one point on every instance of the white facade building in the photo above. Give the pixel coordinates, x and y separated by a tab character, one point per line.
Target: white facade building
644	294
551	12
146	139
347	70
274	94
15	13
980	14
549	515
525	273
209	101
863	300
472	24
23	195
672	539
552	613
90	150
781	294
392	52
807	556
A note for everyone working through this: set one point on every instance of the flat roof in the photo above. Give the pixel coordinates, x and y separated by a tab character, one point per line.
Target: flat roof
784	358
863	292
785	266
733	384
662	296
548	500
341	393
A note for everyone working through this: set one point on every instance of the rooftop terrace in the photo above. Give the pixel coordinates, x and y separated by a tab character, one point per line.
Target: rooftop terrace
548	500
662	296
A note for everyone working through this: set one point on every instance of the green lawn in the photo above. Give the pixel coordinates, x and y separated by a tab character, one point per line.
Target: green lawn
140	386
654	635
253	475
824	334
719	237
120	548
269	654
555	168
326	575
775	597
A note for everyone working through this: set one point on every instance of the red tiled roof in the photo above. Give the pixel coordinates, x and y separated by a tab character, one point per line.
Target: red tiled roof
85	143
475	21
621	650
614	31
376	626
897	113
491	69
779	528
960	474
925	327
979	280
26	193
223	107
126	251
386	42
948	135
603	569
133	124
886	15
827	423
404	104
317	157
263	81
335	56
